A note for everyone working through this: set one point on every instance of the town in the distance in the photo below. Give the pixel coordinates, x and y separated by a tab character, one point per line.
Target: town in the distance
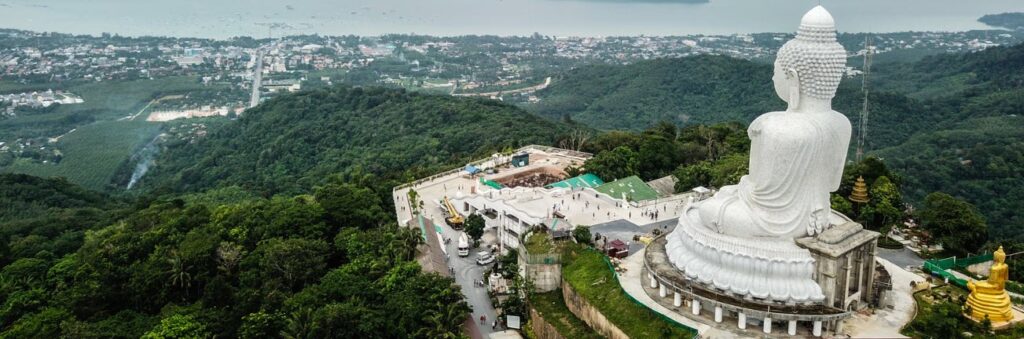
803	184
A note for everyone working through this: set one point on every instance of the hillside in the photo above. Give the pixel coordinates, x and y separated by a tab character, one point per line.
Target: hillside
185	267
700	90
687	90
293	142
1004	20
979	159
926	117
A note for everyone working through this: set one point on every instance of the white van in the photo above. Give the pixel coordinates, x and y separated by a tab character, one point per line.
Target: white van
463	244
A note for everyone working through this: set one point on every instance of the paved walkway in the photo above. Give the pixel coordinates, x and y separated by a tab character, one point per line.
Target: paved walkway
903	257
886	323
624	230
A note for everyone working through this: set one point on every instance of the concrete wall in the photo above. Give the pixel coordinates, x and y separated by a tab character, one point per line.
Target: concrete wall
590	315
545	277
541	328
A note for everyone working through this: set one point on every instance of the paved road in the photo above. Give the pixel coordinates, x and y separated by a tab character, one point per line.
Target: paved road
624	230
466	272
902	257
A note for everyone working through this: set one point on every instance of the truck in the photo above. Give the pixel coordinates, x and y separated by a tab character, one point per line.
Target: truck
452	216
463	244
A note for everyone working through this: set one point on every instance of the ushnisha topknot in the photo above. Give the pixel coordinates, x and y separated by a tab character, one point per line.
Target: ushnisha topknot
819	60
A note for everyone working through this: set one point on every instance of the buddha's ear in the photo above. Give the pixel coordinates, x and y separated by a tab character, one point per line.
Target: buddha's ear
794	88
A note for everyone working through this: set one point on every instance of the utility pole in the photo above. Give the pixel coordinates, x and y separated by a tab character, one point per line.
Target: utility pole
863	131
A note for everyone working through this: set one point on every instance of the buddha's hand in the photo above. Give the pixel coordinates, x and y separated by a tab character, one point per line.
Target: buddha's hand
819	221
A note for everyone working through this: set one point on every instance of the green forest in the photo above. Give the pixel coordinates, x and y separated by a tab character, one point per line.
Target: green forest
279	223
946	123
289	144
77	264
275	225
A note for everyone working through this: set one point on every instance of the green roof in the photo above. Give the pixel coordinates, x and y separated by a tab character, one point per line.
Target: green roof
631	188
586	180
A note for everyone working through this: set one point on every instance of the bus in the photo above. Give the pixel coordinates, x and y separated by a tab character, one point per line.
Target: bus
463	244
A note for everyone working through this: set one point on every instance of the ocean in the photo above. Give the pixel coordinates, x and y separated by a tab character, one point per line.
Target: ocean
263	18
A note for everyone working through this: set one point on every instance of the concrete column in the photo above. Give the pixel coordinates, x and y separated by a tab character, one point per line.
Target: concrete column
742	322
817	328
695	307
718	314
654	282
792	327
767	325
662	292
677	300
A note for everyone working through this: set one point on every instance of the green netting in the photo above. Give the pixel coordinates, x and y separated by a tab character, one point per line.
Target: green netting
585	180
423	227
630	188
954	262
972	260
938	267
942	273
491	183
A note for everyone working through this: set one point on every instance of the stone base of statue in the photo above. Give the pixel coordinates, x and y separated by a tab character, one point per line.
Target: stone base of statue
778	271
1017	318
762	269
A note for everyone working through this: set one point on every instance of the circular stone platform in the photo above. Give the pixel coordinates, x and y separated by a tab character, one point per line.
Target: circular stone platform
667	284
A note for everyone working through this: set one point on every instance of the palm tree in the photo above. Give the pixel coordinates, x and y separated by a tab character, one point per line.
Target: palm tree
299	325
179	272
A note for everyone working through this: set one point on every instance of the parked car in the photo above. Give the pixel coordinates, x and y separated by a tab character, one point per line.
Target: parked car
485	260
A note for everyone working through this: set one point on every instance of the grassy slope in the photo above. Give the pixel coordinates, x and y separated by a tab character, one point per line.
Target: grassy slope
587	273
92	153
552	308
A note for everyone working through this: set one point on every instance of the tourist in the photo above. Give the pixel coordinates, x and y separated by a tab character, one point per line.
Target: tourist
483	318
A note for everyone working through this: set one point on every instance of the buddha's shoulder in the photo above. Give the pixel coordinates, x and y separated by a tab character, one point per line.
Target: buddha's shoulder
791	117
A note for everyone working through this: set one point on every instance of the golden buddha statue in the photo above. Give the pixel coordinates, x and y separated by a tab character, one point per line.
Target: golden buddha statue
989	298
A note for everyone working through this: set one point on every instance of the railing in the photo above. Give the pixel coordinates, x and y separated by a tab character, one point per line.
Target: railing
688	292
546	149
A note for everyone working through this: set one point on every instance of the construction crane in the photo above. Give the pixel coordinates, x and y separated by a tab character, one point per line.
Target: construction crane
862	133
454	219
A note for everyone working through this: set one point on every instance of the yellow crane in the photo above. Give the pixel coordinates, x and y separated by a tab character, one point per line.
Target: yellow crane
454	219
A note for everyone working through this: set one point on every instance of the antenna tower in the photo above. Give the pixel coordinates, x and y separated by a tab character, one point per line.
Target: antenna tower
862	134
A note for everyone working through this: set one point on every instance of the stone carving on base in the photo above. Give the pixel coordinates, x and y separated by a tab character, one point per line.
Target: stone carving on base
741	240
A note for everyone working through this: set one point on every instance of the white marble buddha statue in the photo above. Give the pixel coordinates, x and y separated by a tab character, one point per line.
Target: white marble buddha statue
741	240
796	156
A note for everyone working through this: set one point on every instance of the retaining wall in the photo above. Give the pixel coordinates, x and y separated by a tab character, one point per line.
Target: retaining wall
579	306
541	328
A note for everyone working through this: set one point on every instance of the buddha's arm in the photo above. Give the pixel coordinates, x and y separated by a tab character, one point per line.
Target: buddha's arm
842	147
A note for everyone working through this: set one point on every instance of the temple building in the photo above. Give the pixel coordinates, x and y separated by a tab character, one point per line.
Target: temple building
769	251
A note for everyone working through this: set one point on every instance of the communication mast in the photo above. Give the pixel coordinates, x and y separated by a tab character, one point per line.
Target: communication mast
863	130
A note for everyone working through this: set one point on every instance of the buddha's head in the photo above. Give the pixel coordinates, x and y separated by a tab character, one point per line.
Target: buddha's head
809	67
999	256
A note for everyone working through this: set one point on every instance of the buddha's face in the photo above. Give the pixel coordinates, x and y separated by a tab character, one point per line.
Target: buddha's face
784	82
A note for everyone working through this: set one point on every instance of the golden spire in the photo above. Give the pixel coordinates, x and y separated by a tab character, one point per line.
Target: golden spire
860	191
